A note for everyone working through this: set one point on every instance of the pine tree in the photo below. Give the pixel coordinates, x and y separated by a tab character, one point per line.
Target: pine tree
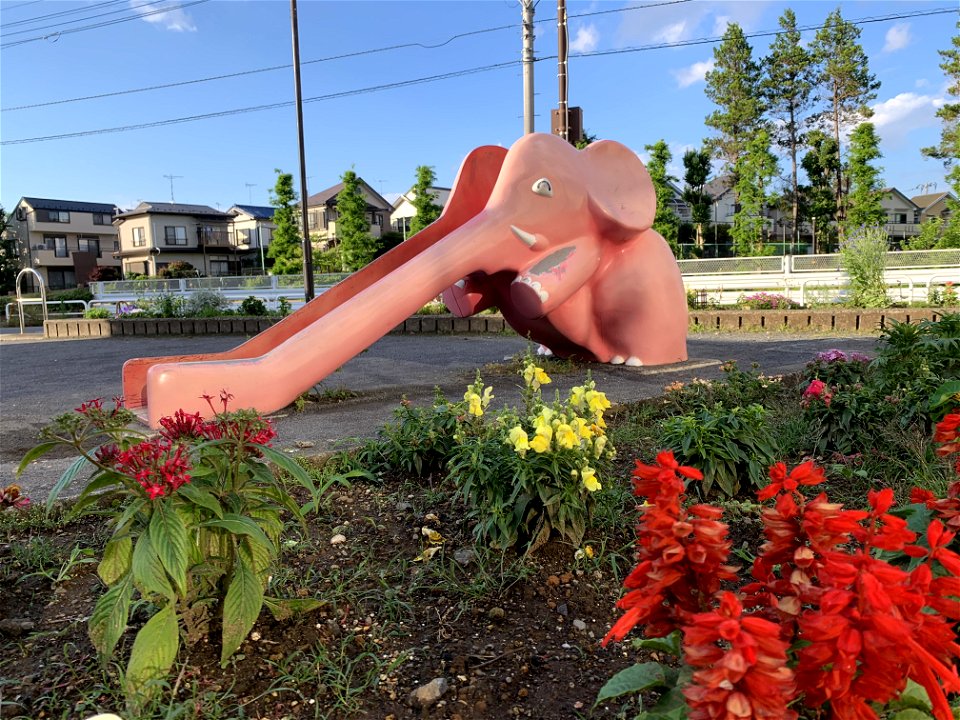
866	186
9	259
817	198
696	166
755	171
949	148
734	86
423	200
666	221
286	247
845	84
357	247
787	88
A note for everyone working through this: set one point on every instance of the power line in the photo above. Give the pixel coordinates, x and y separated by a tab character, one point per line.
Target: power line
48	16
96	26
244	73
270	106
20	5
124	9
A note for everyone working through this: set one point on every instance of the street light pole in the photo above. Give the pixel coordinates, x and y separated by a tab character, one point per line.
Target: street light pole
307	248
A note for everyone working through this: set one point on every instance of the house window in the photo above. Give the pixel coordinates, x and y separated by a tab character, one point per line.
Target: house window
101	219
378	219
219	266
898	218
175	235
139	238
116	245
61	279
312	218
89	244
245	236
56	216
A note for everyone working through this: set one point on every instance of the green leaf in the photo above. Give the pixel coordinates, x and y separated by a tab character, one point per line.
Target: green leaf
91	493
911	714
672	705
116	559
69	475
241	607
148	573
168	535
201	497
949	391
669	644
289	465
240	525
109	618
129	513
154	650
632	680
34	453
284	609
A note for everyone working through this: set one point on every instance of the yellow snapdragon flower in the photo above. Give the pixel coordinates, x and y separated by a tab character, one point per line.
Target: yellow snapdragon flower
577	397
597	402
588	476
598	445
545	418
583	428
478	403
541	441
566	437
534	376
519	439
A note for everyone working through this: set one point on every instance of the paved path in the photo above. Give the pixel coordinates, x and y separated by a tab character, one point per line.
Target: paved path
40	379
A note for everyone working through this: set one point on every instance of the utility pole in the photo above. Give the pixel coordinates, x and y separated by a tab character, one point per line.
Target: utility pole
527	59
249	191
307	247
562	68
171	178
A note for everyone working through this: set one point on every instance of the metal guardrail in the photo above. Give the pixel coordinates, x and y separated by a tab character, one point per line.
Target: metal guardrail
785	264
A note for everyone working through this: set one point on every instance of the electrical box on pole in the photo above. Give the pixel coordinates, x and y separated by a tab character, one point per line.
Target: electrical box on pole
574	124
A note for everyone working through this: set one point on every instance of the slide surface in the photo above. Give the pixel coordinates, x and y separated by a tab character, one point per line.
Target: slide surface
270	370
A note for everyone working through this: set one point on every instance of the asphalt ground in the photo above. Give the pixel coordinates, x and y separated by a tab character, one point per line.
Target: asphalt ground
40	379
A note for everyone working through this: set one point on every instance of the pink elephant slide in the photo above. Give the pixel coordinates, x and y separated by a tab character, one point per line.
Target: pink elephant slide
559	239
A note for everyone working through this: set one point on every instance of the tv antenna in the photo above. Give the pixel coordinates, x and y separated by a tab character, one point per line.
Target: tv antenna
171	178
926	186
249	191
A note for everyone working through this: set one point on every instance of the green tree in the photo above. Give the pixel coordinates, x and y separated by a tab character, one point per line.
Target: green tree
817	199
845	85
866	187
587	140
9	258
787	88
357	247
286	247
423	199
696	172
734	86
666	221
949	148
755	171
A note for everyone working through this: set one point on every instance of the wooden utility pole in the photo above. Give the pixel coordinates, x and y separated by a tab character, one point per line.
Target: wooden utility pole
527	58
307	247
564	130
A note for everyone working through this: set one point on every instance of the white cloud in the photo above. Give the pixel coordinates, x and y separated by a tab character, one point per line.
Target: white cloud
174	19
922	83
695	73
898	116
720	23
898	37
672	33
586	39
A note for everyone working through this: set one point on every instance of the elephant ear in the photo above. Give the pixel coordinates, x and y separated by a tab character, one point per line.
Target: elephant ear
619	187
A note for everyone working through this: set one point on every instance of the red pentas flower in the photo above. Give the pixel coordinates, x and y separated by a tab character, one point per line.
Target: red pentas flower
182	426
740	665
159	466
681	553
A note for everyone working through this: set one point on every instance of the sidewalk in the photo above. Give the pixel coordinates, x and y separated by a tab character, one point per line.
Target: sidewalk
40	379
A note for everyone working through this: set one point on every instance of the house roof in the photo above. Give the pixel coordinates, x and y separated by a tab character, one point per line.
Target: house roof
260	212
440	195
894	191
324	197
925	201
146	208
68	205
718	186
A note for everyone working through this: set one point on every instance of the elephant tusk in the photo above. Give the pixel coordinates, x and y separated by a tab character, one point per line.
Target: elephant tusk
529	239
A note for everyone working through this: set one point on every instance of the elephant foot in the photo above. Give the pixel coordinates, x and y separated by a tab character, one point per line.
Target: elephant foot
632	361
544	351
617	360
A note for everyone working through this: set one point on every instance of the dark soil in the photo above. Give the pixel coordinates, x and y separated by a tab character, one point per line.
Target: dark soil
512	637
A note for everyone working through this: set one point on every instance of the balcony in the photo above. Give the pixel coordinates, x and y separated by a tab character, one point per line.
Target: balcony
216	238
902	230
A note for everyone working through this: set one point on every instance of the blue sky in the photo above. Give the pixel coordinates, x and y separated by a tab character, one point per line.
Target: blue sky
635	97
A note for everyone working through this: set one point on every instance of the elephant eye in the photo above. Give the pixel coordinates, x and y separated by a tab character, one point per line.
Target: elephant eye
543	187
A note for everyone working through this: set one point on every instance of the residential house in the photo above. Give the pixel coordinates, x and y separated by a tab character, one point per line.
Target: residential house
404	210
902	215
153	235
65	240
322	212
676	203
933	205
253	228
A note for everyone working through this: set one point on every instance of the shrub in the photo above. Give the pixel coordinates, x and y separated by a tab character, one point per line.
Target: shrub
178	269
253	306
97	313
165	305
730	444
196	531
76	294
104	273
767	301
206	303
738	388
863	256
